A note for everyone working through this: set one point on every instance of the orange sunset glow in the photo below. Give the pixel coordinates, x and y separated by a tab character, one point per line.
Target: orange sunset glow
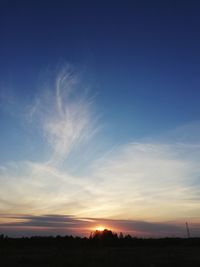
100	228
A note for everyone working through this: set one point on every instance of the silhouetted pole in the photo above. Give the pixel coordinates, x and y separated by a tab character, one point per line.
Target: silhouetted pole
187	230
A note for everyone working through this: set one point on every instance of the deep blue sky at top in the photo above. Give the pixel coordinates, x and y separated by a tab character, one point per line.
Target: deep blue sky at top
142	57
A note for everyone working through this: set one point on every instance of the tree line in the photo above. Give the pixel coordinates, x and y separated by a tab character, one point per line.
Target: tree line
96	239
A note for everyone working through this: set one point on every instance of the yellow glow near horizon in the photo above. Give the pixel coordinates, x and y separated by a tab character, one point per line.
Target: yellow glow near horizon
100	228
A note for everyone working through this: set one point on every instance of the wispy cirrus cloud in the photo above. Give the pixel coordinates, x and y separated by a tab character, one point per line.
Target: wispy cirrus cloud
65	114
138	181
38	187
152	181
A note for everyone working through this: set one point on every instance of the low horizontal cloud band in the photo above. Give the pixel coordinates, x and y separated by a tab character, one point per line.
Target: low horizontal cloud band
67	224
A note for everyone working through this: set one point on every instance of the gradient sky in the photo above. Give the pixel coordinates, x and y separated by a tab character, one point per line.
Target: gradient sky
99	117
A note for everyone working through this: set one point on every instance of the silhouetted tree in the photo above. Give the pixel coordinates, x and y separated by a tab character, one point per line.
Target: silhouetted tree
121	236
105	237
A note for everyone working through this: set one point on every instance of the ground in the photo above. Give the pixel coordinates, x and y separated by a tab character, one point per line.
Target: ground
100	256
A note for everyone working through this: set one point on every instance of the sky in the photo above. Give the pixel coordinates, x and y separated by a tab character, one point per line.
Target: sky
99	117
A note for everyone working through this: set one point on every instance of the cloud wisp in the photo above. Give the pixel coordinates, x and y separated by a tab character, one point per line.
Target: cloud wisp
154	182
65	114
149	181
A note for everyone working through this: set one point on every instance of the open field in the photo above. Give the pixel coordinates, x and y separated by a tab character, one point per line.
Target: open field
100	256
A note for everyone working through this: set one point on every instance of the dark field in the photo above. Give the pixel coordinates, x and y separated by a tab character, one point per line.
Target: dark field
54	253
137	256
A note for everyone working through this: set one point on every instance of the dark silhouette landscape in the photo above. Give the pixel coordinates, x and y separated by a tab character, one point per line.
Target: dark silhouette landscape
101	248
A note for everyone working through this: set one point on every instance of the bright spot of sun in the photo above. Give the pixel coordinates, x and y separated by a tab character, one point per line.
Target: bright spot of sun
100	228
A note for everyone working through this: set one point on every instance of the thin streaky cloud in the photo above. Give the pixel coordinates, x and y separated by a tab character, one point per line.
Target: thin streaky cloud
67	224
136	181
66	115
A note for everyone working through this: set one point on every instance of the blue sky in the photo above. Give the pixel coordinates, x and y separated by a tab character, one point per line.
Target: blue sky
99	110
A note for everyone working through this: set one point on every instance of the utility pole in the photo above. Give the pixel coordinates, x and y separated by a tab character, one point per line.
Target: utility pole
187	230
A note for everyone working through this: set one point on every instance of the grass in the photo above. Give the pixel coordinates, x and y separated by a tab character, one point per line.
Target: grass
100	257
